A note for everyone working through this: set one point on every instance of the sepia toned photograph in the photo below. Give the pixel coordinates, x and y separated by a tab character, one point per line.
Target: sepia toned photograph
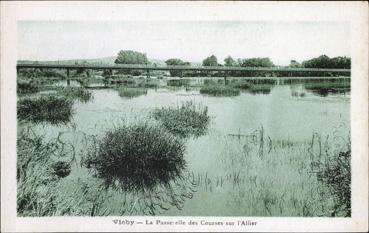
237	118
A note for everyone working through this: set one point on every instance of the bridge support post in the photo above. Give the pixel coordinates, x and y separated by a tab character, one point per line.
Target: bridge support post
181	74
225	78
68	78
148	74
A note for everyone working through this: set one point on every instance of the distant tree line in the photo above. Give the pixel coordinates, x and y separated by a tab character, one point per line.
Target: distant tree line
323	61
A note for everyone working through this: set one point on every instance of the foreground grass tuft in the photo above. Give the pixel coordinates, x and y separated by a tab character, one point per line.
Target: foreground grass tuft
218	90
50	109
189	119
136	158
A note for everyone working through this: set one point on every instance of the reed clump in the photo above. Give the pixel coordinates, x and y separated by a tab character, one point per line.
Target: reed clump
188	119
131	92
51	109
219	90
137	157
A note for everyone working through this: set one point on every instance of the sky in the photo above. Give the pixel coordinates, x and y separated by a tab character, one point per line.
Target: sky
188	40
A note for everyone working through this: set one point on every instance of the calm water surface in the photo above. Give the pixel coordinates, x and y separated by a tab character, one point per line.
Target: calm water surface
280	113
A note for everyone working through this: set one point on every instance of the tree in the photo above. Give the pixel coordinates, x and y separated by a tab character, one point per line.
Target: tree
176	62
294	64
229	61
131	57
257	62
210	61
324	61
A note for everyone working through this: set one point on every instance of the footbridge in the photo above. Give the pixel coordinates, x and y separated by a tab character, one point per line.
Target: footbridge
225	69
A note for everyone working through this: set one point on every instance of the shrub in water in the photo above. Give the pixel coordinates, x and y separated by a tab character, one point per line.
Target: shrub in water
137	158
78	93
241	84
51	109
218	90
131	92
185	120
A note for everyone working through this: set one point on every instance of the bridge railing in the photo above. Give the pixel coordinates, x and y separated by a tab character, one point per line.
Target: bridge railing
177	67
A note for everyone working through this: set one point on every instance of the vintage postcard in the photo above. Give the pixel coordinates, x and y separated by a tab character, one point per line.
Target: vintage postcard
184	116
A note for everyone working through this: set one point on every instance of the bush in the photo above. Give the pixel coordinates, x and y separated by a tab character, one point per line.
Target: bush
137	158
216	90
184	121
78	93
51	109
131	92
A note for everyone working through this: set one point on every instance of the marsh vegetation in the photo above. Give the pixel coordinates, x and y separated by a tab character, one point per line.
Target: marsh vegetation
219	90
177	150
51	109
137	157
131	92
188	119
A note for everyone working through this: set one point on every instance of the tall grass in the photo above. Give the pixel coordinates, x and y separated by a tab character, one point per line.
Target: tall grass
188	119
219	90
137	157
50	109
37	177
257	175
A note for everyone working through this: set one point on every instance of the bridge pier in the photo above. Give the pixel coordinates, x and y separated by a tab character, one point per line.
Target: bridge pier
68	78
225	78
148	74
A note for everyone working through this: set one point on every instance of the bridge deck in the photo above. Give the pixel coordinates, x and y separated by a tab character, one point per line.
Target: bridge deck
171	68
